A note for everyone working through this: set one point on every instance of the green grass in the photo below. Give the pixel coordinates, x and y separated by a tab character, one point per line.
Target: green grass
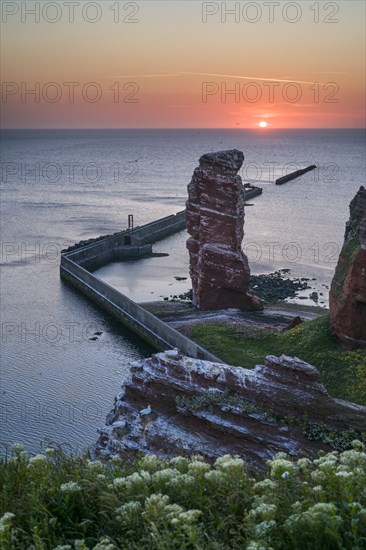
348	253
58	502
342	372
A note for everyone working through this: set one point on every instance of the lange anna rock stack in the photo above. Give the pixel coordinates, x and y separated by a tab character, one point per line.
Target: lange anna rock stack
215	220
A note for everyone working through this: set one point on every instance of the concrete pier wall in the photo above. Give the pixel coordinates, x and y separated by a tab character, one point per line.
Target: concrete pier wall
75	266
115	248
147	326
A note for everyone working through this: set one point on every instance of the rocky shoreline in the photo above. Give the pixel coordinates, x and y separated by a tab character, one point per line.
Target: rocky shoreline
272	288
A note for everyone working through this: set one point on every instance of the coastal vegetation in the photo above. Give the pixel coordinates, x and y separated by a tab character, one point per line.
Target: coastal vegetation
342	372
53	501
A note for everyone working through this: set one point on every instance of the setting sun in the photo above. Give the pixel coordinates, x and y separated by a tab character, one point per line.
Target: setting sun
263	124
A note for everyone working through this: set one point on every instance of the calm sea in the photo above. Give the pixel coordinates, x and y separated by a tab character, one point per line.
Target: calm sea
59	187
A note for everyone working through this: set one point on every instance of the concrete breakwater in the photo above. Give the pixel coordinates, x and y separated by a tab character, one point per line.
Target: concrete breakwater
77	263
124	245
251	191
294	175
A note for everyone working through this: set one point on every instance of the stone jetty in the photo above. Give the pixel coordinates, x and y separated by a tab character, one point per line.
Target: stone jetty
293	175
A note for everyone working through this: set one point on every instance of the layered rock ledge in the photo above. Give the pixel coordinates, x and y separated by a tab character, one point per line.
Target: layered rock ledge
347	297
173	404
215	220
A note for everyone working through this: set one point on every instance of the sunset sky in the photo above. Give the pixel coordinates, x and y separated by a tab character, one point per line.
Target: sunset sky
157	64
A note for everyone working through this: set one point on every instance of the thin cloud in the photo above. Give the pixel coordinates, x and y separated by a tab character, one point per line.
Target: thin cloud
251	78
240	77
153	75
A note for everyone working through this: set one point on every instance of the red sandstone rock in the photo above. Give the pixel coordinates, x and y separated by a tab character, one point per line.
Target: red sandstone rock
296	321
347	297
215	220
285	385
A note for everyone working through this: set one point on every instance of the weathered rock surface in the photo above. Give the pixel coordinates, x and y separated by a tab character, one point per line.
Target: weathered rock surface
347	297
296	321
215	220
213	409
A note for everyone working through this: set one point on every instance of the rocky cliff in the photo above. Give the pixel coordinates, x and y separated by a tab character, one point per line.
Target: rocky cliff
347	297
173	404
215	220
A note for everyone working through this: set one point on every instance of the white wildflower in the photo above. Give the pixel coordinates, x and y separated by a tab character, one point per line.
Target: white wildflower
344	475
131	506
215	476
157	500
352	458
5	522
80	544
105	544
253	545
150	463
297	507
198	457
37	460
179	462
182	480
17	448
263	511
7	517
162	476
333	456
134	480
145	475
156	506
70	487
323	508
266	485
262	529
328	465
187	517
120	482
316	516
128	511
281	455
281	465
227	462
190	516
317	475
95	466
304	463
197	467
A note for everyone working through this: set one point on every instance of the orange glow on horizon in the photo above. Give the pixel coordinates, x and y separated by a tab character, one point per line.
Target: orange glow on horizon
171	69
